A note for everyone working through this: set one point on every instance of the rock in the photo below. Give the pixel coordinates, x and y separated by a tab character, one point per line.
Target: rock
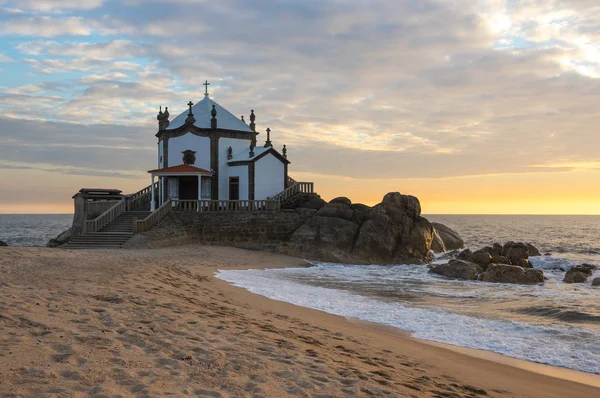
336	210
533	251
500	259
496	249
61	239
457	269
596	282
305	213
547	254
524	262
501	273
481	258
3	243
392	232
515	252
466	255
341	200
308	201
575	277
579	273
437	245
450	237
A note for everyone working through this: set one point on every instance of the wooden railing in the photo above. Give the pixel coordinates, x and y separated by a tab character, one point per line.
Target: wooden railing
298	187
147	223
225	205
105	218
141	197
98	207
289	181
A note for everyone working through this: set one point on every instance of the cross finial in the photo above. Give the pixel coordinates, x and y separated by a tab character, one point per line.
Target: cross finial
206	84
190	104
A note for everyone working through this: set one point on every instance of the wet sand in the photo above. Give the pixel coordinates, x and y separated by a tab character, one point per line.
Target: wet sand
158	323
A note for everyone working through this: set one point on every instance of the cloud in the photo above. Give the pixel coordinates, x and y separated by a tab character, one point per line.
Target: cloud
402	89
46	27
5	58
52	5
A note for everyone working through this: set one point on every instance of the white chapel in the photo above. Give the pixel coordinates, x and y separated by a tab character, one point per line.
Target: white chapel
207	153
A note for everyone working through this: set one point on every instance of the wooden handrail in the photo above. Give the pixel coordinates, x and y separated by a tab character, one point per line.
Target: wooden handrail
224	205
140	196
103	219
298	187
147	223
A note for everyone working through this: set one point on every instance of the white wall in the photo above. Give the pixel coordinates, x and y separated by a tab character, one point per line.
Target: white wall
242	173
224	169
190	141
268	177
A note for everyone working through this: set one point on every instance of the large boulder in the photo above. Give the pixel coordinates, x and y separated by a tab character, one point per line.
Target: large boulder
457	269
499	259
482	258
61	239
517	253
466	255
3	243
579	273
437	244
342	200
391	232
451	238
502	273
533	251
596	282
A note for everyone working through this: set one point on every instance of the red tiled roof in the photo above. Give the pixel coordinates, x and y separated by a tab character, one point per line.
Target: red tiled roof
182	168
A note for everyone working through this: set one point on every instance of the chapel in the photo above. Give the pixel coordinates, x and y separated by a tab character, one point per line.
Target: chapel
207	153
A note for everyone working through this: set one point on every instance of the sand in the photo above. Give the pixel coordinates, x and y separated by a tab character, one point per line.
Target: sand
158	323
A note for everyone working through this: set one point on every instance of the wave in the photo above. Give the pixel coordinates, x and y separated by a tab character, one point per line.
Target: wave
561	313
553	344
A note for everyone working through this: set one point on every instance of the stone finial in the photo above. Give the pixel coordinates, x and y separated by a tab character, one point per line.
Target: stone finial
163	118
213	120
252	119
160	117
284	151
243	119
166	117
229	153
190	118
252	145
268	143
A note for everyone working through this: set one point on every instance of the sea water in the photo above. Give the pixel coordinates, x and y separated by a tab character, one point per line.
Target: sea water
552	323
32	229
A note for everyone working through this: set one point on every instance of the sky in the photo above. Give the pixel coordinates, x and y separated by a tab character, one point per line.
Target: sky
473	106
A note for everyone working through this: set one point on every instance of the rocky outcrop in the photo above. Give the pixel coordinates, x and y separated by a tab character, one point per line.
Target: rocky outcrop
502	273
437	244
450	238
579	273
517	254
482	258
532	250
3	243
390	232
61	239
457	269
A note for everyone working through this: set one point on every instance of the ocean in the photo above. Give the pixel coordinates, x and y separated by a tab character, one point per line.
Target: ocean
554	323
32	229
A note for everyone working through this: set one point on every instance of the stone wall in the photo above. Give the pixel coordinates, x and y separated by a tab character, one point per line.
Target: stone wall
256	230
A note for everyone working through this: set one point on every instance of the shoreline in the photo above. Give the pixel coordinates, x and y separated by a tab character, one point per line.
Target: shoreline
157	320
541	369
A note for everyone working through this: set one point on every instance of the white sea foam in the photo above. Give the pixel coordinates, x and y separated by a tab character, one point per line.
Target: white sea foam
554	344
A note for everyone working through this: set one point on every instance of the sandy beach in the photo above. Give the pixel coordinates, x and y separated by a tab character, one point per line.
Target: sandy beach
158	323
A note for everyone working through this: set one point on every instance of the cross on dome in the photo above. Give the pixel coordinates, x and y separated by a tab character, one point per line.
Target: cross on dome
206	84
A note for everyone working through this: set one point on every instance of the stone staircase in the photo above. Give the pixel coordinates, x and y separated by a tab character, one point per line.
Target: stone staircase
113	236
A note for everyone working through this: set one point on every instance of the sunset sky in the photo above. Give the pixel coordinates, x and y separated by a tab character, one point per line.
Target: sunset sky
473	106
